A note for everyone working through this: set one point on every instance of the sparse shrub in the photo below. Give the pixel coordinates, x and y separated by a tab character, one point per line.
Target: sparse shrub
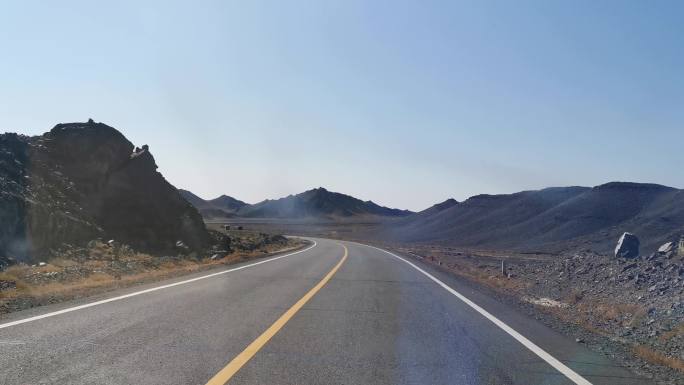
617	311
676	331
657	358
99	266
63	262
97	277
574	297
638	315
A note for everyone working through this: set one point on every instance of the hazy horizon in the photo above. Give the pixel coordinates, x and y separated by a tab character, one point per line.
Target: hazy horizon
403	104
401	208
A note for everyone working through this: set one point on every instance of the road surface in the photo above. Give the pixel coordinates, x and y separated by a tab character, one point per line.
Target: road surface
336	313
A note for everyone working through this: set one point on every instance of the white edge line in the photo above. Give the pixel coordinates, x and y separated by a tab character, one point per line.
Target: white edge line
551	360
91	304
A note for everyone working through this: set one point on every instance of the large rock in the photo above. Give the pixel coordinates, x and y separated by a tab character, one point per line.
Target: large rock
667	248
627	246
82	181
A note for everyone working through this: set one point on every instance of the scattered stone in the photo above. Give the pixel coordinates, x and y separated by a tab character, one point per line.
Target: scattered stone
629	266
42	264
7	285
632	301
215	257
666	248
627	246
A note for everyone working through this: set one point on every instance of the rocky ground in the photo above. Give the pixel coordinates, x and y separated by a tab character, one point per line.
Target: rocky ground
631	309
77	271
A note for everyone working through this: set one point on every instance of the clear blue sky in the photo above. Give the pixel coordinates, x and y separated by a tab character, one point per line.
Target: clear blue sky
404	103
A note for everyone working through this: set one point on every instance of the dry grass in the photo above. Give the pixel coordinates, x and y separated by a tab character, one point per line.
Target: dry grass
574	297
20	285
486	274
617	311
576	317
489	276
627	313
585	313
101	251
5	276
653	357
676	331
100	275
476	275
97	283
63	262
15	271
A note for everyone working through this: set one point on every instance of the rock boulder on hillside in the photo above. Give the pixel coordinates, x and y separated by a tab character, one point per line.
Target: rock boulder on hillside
667	249
627	246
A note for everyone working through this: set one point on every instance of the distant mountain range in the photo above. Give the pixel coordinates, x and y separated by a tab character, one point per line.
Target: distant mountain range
221	207
315	203
552	220
82	181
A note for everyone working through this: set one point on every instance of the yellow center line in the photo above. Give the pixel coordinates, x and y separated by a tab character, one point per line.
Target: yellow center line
241	359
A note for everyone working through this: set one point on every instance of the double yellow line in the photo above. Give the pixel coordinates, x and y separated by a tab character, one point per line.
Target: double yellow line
241	359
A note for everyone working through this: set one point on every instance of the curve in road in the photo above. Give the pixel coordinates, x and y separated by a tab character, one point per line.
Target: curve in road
374	320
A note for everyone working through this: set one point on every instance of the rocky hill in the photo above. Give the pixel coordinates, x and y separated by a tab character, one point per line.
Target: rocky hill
434	209
221	207
82	181
229	204
315	203
194	200
552	219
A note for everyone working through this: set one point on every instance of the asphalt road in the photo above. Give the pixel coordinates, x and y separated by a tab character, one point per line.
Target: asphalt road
377	320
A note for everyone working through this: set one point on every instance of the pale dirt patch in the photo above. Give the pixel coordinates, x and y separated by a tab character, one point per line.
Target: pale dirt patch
545	302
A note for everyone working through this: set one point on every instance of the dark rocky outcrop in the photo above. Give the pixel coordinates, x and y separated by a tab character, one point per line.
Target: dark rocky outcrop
627	246
82	181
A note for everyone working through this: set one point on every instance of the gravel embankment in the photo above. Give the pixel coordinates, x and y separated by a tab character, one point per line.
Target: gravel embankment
630	309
